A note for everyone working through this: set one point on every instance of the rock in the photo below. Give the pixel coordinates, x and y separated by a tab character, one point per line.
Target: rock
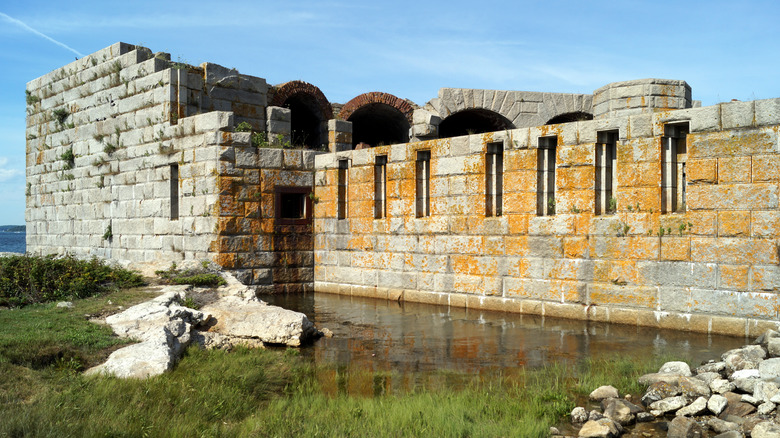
680	368
603	428
719	386
644	417
659	391
765	337
769	369
595	415
326	332
775	399
211	341
744	358
604	392
745	380
773	347
579	415
766	429
620	411
554	431
730	434
152	357
65	305
708	377
147	317
649	379
721	426
684	427
766	408
236	288
693	387
254	319
736	407
716	404
697	407
747	398
715	367
669	404
764	391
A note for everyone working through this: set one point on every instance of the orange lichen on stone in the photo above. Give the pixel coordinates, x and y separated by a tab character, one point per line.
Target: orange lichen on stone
733	277
734	223
734	170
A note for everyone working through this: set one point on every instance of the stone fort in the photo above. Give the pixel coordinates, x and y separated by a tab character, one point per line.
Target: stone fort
631	205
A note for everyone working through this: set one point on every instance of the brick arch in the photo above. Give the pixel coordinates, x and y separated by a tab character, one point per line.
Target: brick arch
377	97
288	89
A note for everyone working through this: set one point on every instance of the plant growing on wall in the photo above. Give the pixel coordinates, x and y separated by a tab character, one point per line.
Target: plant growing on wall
243	127
108	234
612	205
31	98
68	158
60	115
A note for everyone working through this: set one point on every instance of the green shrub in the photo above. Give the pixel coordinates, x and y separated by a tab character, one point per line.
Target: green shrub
28	279
196	277
243	127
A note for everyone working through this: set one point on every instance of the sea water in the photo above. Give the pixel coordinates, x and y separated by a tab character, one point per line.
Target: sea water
12	242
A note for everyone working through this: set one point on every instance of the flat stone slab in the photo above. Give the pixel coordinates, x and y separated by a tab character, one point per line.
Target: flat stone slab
253	319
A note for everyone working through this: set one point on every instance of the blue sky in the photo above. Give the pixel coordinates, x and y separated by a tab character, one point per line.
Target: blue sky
725	50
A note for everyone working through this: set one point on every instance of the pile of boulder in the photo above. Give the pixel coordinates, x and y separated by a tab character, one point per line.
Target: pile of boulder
737	396
164	328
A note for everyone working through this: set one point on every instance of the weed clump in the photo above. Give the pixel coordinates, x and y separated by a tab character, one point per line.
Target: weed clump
200	277
26	279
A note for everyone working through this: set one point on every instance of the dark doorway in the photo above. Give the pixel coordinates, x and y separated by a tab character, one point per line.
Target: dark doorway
577	116
473	121
306	120
379	124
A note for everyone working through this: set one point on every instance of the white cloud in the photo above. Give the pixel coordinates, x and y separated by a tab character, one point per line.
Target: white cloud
9	174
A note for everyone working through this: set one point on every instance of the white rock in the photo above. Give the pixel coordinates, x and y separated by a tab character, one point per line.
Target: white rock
602	428
717	403
721	386
769	369
697	407
604	392
764	391
669	404
766	429
747	398
65	304
238	317
766	408
579	415
680	368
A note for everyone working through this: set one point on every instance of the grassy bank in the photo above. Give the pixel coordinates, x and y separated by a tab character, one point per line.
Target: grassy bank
267	393
261	392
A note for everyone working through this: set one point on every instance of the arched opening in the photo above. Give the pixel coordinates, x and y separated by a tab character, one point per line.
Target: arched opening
473	121
379	124
306	120
577	116
309	110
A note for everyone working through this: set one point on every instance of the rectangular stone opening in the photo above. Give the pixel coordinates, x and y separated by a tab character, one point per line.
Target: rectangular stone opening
174	190
423	183
494	179
606	171
293	205
343	180
380	187
674	154
545	176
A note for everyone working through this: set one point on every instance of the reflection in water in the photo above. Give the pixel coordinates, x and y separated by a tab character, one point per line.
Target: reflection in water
384	346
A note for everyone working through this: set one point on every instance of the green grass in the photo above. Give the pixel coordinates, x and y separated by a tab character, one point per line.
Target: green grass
196	277
266	393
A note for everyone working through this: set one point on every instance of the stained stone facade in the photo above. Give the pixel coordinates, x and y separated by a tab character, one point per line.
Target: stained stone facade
632	205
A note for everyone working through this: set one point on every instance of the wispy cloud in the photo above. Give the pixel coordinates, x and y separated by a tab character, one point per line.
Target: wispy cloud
40	34
8	174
